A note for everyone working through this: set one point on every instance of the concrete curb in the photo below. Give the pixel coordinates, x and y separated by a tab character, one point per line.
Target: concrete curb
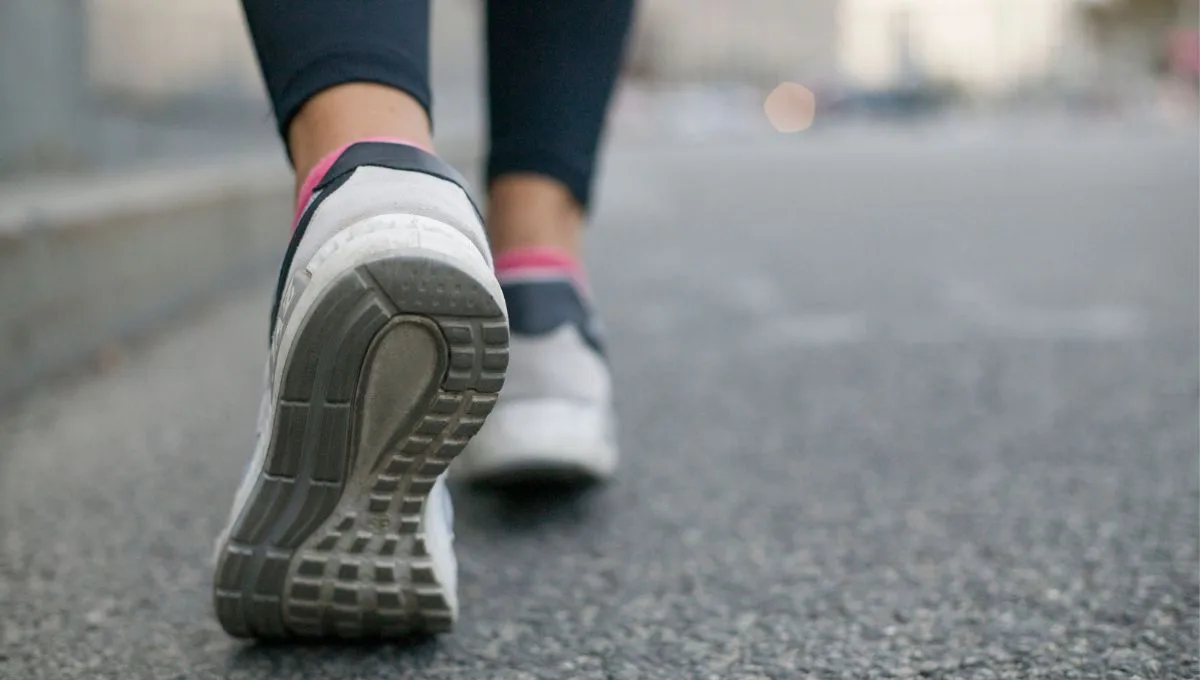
90	263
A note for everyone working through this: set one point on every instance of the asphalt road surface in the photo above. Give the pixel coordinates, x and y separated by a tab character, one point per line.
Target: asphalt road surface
895	404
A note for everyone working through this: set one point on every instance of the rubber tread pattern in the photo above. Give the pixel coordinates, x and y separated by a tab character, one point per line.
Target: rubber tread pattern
331	544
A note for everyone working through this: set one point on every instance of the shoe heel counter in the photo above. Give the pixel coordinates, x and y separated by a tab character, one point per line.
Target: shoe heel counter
372	192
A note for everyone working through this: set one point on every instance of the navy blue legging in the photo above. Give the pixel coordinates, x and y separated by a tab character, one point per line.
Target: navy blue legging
552	67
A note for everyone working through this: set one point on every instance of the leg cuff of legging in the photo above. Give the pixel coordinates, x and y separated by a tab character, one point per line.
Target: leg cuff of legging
385	67
575	176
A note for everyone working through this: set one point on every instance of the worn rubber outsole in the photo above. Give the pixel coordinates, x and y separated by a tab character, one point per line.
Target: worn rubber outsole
394	369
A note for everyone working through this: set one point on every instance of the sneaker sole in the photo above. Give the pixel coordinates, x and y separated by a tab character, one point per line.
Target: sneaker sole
393	367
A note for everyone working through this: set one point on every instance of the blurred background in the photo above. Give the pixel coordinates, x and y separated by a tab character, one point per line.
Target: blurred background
912	392
89	83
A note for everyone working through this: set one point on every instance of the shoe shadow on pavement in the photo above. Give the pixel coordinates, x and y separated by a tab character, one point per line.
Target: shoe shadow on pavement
270	657
529	503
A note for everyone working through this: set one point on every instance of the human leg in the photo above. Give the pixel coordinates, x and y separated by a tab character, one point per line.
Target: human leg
553	66
388	341
552	70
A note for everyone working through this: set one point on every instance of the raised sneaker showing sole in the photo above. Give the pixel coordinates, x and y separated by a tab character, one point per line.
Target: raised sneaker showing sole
391	347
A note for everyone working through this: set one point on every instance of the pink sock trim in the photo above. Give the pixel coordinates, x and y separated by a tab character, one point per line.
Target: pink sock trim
318	172
535	262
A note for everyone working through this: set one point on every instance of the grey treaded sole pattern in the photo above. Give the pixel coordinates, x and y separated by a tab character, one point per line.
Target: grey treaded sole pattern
395	369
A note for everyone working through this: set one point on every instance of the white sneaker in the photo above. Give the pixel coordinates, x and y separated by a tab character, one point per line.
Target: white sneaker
389	344
555	419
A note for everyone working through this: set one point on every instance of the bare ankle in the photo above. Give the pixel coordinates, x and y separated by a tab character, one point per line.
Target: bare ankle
532	211
348	113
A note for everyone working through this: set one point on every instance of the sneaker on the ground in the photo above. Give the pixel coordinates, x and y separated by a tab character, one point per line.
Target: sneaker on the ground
389	342
555	420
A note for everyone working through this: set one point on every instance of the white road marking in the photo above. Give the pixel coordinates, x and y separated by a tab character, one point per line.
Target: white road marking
812	330
988	310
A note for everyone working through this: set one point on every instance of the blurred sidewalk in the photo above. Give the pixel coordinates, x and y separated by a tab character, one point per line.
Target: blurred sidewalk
179	189
177	79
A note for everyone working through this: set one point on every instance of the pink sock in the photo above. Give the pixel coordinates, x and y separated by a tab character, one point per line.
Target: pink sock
539	262
318	172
